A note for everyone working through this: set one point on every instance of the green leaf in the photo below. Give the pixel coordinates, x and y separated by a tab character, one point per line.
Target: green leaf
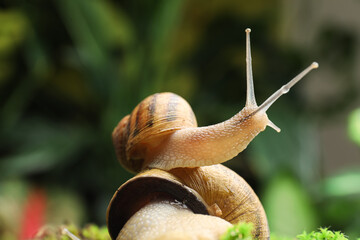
354	126
288	207
344	184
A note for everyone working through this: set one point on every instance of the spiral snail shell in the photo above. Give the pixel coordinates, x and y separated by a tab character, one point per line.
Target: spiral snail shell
155	117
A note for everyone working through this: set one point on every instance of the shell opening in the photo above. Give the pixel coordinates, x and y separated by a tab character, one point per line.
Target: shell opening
153	185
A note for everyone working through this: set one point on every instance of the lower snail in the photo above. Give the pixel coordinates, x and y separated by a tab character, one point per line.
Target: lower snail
182	190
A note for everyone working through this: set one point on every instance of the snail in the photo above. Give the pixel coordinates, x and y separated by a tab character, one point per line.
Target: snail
199	201
181	175
161	132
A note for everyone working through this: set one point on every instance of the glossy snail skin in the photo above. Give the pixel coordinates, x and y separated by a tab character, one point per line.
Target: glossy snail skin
162	132
169	220
204	146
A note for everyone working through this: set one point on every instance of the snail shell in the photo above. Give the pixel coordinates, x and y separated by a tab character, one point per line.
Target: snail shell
211	190
155	117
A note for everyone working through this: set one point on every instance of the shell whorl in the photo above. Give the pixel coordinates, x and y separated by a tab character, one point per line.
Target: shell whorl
152	119
235	199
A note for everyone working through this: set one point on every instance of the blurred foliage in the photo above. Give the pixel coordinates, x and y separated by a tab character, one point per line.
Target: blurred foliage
61	204
71	69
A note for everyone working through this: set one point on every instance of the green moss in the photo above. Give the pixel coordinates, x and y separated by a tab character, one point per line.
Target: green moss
238	232
94	232
242	231
322	234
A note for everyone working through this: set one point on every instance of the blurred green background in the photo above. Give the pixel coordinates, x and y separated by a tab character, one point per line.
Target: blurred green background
71	69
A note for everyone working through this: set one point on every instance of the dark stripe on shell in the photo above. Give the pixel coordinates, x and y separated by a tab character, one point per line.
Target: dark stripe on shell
128	127
171	110
152	109
138	119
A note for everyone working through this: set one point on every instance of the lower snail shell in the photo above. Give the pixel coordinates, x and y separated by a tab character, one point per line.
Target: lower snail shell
212	190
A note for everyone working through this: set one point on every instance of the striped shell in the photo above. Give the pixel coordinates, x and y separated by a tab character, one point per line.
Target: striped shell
154	118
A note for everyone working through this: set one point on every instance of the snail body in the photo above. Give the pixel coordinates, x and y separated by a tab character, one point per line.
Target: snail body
165	219
180	162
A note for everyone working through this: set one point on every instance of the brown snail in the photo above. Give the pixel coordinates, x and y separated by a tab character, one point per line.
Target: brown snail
161	134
